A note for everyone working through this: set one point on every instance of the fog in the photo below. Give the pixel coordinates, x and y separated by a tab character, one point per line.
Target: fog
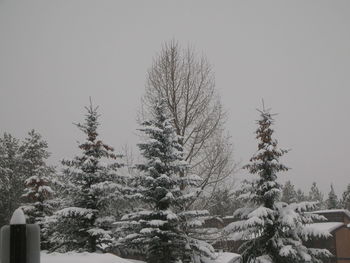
293	54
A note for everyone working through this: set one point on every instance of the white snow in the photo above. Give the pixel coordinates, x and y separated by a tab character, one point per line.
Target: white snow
225	257
156	223
347	212
73	257
287	251
18	217
326	226
76	211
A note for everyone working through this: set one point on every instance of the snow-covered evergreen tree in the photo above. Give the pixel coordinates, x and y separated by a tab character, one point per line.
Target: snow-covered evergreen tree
84	224
273	231
289	195
345	203
162	228
38	191
301	197
332	201
315	195
223	202
37	185
11	177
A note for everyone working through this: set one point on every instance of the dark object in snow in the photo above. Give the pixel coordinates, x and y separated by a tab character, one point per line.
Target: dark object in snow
18	248
19	242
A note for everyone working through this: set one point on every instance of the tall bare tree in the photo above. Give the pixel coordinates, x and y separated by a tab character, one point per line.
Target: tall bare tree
186	81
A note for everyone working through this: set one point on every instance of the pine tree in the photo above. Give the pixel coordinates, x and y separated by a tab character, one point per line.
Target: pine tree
289	195
11	177
162	229
332	201
301	197
85	224
38	191
315	195
223	202
272	231
346	198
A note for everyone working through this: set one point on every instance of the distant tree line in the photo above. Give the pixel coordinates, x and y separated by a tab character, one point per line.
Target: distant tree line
290	195
224	201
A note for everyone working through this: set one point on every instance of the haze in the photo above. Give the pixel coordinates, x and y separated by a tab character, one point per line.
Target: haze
294	54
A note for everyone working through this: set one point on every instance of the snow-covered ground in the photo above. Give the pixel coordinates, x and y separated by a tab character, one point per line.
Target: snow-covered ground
72	257
227	257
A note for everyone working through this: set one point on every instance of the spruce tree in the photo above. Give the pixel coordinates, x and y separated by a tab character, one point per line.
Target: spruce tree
289	195
85	224
38	191
162	228
223	202
346	198
332	201
11	177
301	197
272	231
315	195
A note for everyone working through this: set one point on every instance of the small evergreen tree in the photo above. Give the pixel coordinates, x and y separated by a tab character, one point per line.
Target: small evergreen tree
38	191
272	231
85	223
332	201
301	197
315	195
223	202
289	195
346	198
161	229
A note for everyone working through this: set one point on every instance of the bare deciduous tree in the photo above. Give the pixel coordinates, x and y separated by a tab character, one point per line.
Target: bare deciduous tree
186	82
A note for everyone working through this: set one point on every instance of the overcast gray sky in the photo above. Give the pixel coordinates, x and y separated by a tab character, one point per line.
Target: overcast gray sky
294	54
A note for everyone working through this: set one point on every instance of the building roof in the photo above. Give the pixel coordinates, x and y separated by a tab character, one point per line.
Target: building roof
332	211
326	226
